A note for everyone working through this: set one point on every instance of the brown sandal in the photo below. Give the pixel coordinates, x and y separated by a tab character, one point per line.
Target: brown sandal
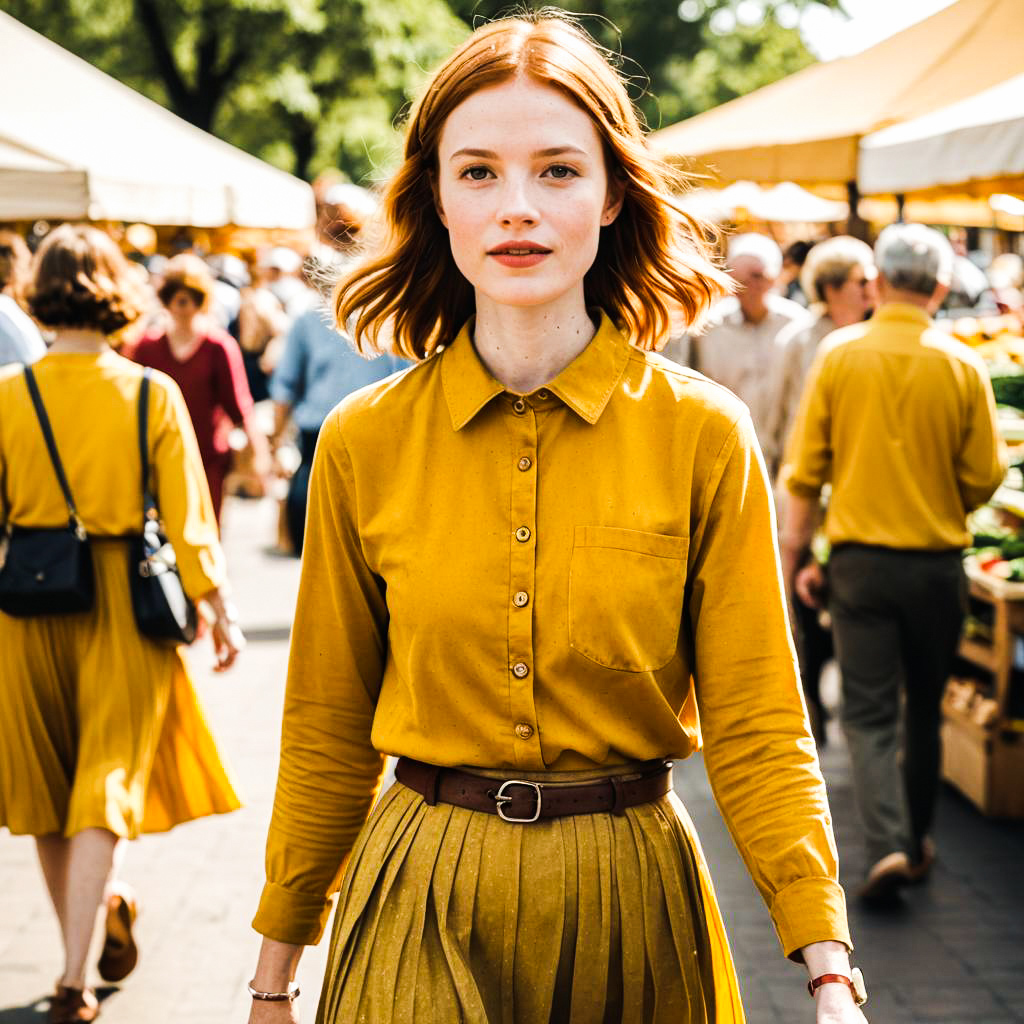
120	954
73	1005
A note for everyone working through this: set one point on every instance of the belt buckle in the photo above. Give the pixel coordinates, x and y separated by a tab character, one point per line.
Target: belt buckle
501	798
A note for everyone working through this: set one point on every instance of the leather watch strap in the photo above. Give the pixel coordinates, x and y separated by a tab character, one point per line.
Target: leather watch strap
856	990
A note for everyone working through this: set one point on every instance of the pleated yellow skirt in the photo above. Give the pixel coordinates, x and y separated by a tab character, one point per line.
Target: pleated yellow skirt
99	727
449	915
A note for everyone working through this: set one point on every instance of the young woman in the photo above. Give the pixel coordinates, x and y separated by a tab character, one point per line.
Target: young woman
101	736
531	560
206	363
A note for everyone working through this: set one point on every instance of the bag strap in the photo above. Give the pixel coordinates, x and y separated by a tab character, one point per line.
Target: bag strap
51	446
149	509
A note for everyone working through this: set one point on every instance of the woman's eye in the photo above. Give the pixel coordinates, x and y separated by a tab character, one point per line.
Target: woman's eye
561	171
475	173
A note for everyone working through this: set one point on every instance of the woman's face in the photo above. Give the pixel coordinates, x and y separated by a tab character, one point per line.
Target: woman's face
855	298
523	191
183	306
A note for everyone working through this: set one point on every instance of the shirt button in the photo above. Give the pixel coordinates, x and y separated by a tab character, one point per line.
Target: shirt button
520	670
519	406
521	599
525	463
523	534
524	731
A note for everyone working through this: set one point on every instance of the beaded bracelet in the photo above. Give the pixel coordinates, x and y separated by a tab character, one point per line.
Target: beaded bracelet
276	997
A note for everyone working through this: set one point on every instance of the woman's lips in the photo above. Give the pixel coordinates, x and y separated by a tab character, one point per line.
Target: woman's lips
519	254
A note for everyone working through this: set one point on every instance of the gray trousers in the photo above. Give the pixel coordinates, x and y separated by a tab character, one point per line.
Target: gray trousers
896	620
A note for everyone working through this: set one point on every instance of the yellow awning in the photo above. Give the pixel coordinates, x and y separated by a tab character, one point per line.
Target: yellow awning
807	127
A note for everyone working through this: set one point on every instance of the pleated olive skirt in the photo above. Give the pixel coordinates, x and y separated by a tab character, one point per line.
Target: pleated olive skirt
449	915
100	727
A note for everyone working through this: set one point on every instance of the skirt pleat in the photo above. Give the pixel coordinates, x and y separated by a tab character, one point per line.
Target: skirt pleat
449	915
100	727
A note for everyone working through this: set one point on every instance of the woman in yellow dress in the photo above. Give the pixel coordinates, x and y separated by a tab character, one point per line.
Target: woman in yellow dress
539	565
101	735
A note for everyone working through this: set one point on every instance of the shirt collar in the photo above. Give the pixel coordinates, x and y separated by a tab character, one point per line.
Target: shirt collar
896	311
585	385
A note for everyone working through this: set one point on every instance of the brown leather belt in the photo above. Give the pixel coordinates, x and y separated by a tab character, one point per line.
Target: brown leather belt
521	801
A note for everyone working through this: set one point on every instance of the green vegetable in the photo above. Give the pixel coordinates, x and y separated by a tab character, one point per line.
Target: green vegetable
1008	384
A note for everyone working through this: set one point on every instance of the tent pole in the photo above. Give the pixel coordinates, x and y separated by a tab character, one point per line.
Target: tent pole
855	225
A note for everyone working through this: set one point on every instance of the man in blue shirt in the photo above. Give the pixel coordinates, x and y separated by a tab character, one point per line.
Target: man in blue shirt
318	368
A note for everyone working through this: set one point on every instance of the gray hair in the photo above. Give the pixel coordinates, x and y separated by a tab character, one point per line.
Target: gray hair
914	258
758	247
831	261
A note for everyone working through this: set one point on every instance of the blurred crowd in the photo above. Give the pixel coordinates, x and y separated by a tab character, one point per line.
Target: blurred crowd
249	338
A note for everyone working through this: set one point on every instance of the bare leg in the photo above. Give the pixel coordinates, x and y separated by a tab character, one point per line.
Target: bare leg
53	851
89	868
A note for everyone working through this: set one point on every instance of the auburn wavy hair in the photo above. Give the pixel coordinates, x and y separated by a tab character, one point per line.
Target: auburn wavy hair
82	280
654	263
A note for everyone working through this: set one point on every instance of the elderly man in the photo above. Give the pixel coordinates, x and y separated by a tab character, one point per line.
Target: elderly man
739	347
901	419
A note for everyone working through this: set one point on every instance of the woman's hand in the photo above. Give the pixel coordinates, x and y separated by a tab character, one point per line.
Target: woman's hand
836	1006
222	617
273	1013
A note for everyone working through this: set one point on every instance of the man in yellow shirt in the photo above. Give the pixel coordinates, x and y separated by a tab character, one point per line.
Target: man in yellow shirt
901	419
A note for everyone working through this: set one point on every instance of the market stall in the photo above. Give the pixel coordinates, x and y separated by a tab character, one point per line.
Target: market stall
807	127
983	709
80	145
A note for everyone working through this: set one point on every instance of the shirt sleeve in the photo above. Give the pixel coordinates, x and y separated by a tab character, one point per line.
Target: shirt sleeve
808	461
233	394
981	462
181	491
760	757
287	382
329	770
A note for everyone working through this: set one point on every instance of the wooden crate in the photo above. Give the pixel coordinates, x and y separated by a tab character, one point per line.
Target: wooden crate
986	762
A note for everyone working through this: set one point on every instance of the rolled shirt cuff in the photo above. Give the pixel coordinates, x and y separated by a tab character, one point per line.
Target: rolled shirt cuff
810	910
287	915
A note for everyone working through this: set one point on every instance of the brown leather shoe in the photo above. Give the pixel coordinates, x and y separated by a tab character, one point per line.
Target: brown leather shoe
886	877
120	954
72	1005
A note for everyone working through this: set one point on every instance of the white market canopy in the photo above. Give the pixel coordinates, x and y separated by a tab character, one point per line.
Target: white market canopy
77	144
781	204
975	146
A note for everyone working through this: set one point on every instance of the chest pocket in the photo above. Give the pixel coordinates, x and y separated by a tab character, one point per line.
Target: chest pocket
626	596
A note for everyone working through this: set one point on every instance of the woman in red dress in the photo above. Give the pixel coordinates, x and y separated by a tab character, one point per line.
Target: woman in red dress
206	364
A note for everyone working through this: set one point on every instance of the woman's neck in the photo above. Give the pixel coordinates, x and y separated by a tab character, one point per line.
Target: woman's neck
526	348
73	339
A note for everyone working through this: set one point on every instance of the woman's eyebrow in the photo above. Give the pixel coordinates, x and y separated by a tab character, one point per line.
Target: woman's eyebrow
489	154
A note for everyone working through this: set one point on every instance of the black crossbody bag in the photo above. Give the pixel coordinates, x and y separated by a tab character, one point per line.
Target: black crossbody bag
162	610
47	571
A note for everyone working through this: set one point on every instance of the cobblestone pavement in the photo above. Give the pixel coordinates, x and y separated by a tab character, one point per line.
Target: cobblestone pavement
954	954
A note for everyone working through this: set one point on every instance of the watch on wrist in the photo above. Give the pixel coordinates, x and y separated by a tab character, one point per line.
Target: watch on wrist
855	983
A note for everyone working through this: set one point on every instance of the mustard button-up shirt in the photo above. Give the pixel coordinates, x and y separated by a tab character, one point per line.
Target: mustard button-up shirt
901	418
578	577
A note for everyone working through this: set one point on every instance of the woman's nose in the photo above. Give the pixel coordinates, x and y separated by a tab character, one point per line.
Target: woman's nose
517	206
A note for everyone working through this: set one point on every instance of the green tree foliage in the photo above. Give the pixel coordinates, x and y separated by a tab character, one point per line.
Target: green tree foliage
305	84
311	84
678	59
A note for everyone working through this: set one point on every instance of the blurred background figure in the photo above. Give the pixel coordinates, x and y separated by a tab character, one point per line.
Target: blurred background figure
206	363
739	348
94	716
20	340
319	366
281	268
230	277
789	284
839	280
262	325
1006	274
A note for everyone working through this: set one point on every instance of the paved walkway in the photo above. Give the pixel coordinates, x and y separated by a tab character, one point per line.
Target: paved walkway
955	954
